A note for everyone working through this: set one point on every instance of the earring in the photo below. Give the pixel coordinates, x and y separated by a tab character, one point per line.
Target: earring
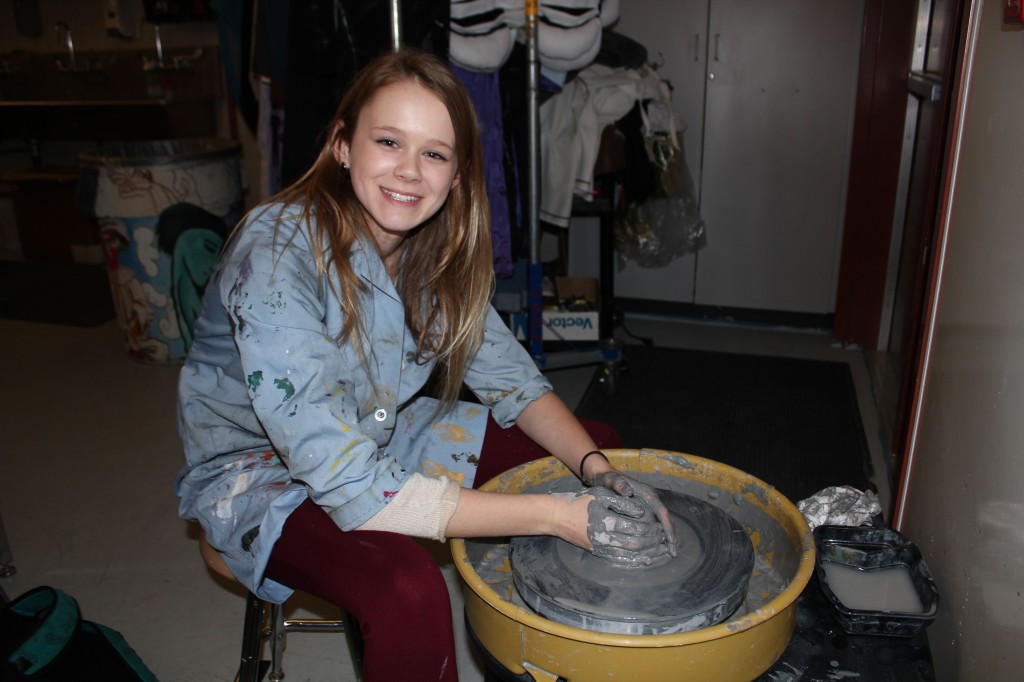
344	167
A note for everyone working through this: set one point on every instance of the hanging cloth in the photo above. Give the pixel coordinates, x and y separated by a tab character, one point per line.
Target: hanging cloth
484	90
571	124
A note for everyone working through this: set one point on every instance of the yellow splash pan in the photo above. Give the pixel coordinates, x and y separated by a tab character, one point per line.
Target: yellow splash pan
736	650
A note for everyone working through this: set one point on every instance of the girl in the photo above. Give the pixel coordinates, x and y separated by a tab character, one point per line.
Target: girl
319	404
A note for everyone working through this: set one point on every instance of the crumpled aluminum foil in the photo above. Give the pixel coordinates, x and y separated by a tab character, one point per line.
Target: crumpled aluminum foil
840	506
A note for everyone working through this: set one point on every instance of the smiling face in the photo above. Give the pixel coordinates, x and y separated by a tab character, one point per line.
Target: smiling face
401	160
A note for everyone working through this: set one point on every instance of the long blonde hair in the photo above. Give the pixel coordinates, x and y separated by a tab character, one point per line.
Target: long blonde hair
446	276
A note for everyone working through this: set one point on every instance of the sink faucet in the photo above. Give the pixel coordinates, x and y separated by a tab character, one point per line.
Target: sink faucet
159	47
172	63
58	26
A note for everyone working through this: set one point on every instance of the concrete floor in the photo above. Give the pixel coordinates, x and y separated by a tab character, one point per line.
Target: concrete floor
90	453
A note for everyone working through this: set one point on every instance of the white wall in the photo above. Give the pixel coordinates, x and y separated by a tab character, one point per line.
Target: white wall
965	505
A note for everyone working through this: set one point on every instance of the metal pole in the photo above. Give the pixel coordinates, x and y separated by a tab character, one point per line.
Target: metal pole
533	130
536	301
396	25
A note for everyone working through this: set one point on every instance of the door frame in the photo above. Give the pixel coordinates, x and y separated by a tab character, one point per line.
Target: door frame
895	193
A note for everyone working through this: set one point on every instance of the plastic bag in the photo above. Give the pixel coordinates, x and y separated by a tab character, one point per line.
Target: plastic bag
667	224
840	506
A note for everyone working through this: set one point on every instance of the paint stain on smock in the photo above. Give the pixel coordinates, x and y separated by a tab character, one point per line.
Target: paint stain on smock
454	433
468	456
255	379
285	385
435	470
276	300
335	390
347	452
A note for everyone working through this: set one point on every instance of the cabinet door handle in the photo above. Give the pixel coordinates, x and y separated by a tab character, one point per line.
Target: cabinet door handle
696	47
718	39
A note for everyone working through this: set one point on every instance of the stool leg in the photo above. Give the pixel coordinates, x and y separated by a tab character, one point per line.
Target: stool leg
277	634
354	639
257	611
7	568
252	638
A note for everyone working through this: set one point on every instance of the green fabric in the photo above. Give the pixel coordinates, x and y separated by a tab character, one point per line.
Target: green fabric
126	652
59	621
53	643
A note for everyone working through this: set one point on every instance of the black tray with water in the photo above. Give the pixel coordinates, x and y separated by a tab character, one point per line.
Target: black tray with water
875	579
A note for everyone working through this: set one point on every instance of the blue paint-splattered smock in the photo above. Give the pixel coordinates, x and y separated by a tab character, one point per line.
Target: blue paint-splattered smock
273	410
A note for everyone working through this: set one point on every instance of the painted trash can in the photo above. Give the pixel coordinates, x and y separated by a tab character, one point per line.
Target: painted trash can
164	209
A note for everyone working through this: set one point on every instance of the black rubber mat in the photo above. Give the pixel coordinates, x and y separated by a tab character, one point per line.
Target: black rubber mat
793	423
74	295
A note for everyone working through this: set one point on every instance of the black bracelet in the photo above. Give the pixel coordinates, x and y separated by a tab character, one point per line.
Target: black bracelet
583	461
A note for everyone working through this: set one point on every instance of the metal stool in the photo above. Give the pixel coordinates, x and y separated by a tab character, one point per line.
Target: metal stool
254	631
7	568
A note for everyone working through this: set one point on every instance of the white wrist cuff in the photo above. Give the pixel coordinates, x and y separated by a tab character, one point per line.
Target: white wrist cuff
422	508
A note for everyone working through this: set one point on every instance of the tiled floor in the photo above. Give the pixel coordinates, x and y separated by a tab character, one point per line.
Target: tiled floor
90	453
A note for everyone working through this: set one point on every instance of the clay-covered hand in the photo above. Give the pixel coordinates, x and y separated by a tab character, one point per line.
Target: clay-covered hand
630	487
623	530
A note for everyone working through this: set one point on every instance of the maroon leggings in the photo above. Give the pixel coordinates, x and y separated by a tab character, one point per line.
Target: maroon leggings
389	582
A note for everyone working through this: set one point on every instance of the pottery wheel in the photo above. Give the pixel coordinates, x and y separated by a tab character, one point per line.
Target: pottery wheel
699	588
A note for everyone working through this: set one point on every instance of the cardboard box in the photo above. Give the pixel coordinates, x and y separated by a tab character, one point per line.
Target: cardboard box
560	325
568	288
566	325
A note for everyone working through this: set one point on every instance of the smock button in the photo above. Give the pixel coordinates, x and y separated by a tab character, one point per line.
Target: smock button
380	415
410	356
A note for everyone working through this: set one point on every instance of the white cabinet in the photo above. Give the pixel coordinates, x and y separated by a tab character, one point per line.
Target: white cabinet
766	88
675	35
